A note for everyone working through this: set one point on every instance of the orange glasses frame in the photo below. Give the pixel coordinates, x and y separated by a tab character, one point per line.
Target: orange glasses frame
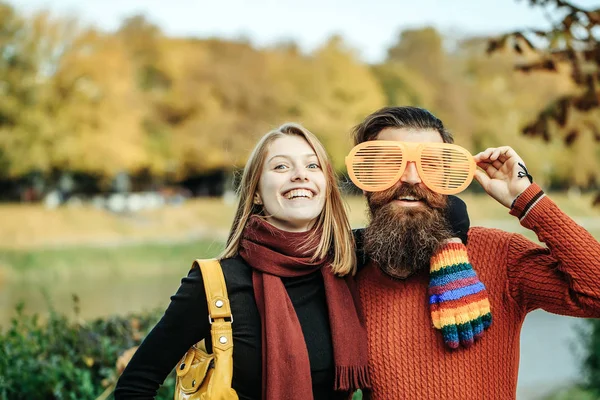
458	166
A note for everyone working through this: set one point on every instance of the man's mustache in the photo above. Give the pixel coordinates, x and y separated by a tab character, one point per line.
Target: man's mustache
419	192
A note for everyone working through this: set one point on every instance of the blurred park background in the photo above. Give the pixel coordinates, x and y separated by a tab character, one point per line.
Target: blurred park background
124	126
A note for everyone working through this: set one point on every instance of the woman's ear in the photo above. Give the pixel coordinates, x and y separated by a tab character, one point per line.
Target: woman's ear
257	199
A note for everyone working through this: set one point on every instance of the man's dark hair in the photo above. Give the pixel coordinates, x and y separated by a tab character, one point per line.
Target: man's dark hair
399	117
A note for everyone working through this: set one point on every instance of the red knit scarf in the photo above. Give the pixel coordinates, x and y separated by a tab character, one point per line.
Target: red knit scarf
274	254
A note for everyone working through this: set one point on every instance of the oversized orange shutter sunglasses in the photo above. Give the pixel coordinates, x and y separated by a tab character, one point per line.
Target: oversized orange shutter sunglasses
378	164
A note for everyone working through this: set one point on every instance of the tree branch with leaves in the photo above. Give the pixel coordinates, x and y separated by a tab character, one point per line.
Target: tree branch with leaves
570	46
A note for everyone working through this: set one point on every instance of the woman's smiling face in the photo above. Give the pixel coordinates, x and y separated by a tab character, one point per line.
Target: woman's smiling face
292	185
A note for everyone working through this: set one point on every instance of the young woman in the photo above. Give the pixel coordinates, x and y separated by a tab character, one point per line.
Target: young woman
296	331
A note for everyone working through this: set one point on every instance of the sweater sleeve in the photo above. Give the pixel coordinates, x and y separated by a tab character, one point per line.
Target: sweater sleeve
184	323
564	276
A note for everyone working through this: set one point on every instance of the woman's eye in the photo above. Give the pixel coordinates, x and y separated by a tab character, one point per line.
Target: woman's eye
280	166
313	166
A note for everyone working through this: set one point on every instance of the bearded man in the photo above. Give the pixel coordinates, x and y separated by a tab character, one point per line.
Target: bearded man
428	299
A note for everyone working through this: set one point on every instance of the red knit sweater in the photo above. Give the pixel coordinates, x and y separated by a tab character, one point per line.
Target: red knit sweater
407	357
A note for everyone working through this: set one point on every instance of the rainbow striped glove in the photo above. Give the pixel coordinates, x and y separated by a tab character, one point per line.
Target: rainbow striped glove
459	303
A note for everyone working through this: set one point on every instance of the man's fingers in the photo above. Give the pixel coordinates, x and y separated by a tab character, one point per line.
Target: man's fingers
484	155
489	168
507	154
482	178
495	153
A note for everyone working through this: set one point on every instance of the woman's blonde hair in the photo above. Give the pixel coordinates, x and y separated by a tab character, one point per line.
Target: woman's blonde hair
336	239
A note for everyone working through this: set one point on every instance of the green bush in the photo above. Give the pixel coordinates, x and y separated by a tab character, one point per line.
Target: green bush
62	359
572	393
591	364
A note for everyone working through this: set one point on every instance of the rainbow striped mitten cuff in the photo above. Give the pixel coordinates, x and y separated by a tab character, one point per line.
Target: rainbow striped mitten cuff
459	303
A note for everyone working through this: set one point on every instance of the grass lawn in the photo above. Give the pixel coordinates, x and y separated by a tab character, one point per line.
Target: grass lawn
90	262
85	239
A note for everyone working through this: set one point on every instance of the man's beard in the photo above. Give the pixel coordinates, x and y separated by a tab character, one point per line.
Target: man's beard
401	240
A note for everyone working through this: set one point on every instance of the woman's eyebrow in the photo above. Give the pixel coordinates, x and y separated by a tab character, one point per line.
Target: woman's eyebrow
306	155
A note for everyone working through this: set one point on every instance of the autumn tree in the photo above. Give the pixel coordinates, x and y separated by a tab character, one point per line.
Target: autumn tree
419	70
570	47
24	136
331	92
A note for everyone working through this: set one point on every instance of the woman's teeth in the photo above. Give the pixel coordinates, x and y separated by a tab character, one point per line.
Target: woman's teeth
292	194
